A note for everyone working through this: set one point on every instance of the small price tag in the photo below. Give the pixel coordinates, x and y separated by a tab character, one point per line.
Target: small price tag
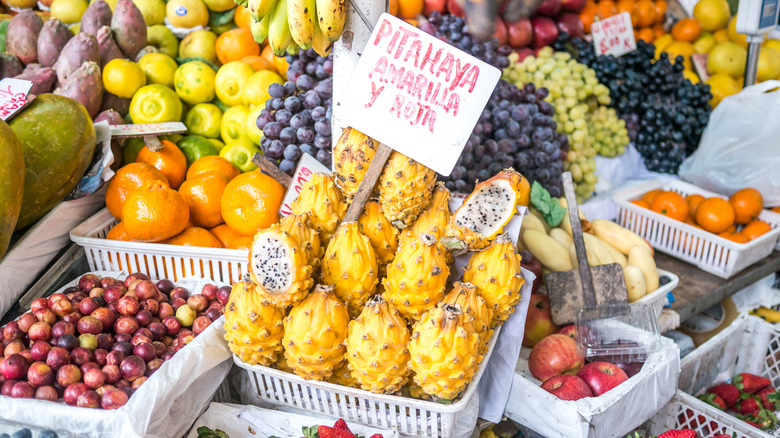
699	61
13	96
613	35
307	166
148	129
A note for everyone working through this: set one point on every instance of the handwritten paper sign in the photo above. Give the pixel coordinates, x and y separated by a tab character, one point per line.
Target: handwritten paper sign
614	35
13	96
417	94
307	166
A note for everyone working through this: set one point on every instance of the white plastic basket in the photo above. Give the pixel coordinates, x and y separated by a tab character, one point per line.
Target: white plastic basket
711	253
410	417
156	260
657	298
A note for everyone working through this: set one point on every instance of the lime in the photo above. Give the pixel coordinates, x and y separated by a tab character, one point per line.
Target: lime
195	146
155	104
252	131
131	148
230	80
234	124
68	11
199	43
123	78
159	68
255	90
194	82
216	142
187	13
204	119
240	153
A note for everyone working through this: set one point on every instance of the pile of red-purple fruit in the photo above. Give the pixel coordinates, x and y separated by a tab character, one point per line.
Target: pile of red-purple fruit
96	343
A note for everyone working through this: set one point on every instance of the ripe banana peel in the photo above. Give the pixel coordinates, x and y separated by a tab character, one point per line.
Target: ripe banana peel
320	43
331	16
302	17
260	8
260	29
767	314
279	36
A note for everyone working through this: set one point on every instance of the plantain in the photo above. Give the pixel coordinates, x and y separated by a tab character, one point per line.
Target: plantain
279	36
258	9
302	16
260	28
331	16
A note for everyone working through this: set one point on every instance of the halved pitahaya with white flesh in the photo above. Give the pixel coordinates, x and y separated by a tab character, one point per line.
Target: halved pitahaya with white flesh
279	268
483	215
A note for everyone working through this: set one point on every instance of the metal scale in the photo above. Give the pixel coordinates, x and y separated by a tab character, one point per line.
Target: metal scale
755	19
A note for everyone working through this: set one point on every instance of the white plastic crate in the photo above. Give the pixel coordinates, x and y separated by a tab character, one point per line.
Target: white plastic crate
657	298
711	253
156	260
410	417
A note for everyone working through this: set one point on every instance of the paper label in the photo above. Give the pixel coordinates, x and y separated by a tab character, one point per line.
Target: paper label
307	166
613	35
142	130
13	96
699	61
417	94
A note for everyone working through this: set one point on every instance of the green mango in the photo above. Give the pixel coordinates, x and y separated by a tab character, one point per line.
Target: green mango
58	141
11	184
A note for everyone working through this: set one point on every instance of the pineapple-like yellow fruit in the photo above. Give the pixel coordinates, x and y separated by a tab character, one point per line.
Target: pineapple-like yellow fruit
253	326
352	155
324	203
467	296
405	188
314	334
281	365
350	267
414	390
496	274
383	235
434	219
279	267
445	351
299	227
377	348
343	376
417	277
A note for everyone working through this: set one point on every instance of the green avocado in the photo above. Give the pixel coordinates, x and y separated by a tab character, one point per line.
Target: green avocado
58	141
11	184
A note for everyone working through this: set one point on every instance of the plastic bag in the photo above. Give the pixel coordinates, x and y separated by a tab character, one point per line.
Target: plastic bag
739	146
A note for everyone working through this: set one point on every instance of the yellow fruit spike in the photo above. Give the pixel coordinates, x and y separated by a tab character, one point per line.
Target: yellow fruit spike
253	327
383	235
300	228
405	188
324	203
350	266
467	296
352	155
434	219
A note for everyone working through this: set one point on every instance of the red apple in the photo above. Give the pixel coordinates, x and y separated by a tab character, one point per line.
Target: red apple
571	23
48	393
88	305
112	373
553	355
545	31
501	33
14	367
434	5
94	378
550	8
153	306
88	281
40	350
68	375
602	376
26	321
62	308
200	324
166	286
13	347
46	315
568	330
538	322
88	399
528	261
53	298
73	392
575	6
145	290
57	358
22	390
521	34
455	7
567	387
39	374
39	303
113	399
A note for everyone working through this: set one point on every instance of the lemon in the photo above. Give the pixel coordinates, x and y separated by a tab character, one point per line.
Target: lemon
123	77
680	48
187	13
68	11
705	43
234	124
204	119
773	43
230	80
721	35
768	64
735	36
111	3
155	104
712	14
216	142
194	82
159	68
691	76
152	10
252	131
721	86
661	43
219	5
255	91
727	58
199	43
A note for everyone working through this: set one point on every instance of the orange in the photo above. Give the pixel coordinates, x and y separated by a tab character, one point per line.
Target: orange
646	14
670	204
410	8
194	236
279	63
224	234
242	242
258	63
154	212
235	45
776	209
251	202
606	9
169	160
127	179
734	236
715	215
640	203
693	203
756	228
658	30
646	34
588	15
118	232
213	163
687	29
203	195
660	10
524	189
242	18
747	204
630	7
649	196
392	7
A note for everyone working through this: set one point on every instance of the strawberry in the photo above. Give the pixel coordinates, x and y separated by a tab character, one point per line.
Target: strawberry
377	435
747	405
761	419
750	383
728	392
682	433
714	400
330	432
723	435
341	424
770	398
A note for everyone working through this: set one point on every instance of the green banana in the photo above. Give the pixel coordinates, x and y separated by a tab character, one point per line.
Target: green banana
260	8
279	36
260	28
301	15
320	43
331	16
293	48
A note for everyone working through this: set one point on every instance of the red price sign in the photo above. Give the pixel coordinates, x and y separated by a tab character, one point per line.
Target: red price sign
13	96
307	167
613	35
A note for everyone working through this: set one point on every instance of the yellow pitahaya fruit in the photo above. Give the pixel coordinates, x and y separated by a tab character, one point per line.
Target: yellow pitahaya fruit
282	365
383	235
417	277
414	390
467	296
349	265
434	219
299	227
445	351
496	274
377	348
324	203
253	326
343	376
405	188
314	334
352	155
279	267
484	213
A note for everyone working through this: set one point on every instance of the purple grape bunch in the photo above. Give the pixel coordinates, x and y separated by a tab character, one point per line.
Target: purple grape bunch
455	31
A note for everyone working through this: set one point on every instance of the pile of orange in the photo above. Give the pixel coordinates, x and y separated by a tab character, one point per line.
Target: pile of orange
735	219
646	15
211	204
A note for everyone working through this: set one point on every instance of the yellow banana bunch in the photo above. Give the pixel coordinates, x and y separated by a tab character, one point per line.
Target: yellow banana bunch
321	44
260	28
301	15
331	16
292	25
258	9
279	36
